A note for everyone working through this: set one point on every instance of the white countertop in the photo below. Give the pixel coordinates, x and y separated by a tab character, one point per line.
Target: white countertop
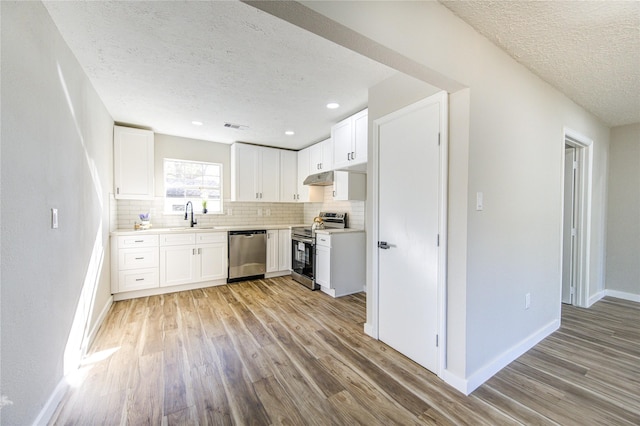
202	229
338	231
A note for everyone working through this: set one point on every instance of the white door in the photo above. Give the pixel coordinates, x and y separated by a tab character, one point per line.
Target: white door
569	226
272	250
408	221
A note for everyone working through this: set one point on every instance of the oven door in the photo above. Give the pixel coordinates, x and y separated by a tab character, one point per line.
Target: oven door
303	259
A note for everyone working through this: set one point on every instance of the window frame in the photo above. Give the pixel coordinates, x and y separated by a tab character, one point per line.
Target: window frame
196	201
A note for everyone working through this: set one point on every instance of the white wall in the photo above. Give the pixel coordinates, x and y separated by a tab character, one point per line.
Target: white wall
56	152
167	146
515	139
623	215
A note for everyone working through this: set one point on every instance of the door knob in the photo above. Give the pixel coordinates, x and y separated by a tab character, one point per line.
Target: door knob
384	245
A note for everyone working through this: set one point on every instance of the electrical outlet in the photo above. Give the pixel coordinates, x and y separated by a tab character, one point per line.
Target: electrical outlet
527	300
259	212
230	212
267	212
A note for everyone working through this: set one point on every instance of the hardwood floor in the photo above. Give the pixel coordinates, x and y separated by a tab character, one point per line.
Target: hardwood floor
273	352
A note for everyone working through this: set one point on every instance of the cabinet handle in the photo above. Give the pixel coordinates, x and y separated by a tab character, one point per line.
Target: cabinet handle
194	252
334	193
256	195
348	156
139	279
353	155
118	191
261	195
139	258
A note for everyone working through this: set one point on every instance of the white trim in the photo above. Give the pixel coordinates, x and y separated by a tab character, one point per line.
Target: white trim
593	299
164	290
368	330
584	153
622	295
466	386
372	329
49	409
94	330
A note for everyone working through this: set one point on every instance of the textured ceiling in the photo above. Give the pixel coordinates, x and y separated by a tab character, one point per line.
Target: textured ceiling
164	64
589	50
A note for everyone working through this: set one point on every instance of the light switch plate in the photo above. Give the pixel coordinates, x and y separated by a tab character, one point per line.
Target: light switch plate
54	218
479	201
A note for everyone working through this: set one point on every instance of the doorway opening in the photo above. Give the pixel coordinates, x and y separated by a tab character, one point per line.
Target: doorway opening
576	220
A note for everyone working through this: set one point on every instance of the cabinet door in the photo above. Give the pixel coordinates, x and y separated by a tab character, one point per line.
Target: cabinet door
137	279
213	261
360	137
340	185
133	163
177	265
315	158
269	183
244	164
342	147
303	172
284	249
288	176
272	250
327	155
323	266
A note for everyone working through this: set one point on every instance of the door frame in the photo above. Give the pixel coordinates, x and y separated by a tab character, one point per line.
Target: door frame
583	190
442	99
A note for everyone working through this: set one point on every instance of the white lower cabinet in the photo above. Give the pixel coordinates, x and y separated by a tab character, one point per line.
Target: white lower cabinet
340	263
284	249
134	263
272	250
278	252
194	257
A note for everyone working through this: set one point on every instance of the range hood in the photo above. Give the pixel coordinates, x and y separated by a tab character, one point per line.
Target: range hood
319	179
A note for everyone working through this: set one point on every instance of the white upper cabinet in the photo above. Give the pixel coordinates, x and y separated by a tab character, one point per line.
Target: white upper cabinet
349	186
350	138
289	176
321	157
133	163
255	173
307	194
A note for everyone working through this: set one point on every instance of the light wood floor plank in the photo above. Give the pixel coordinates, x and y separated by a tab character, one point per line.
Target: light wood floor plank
272	352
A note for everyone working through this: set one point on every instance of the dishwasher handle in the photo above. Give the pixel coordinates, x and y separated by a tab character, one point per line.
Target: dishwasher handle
247	233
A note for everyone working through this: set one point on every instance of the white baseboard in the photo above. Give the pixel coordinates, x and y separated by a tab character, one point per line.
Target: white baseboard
368	330
622	295
49	409
593	299
466	386
99	321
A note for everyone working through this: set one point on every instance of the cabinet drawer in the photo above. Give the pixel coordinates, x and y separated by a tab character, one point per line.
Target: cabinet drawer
138	279
323	240
211	237
177	239
137	258
130	241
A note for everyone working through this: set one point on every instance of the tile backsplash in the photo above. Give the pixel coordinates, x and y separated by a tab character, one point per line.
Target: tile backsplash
354	209
243	213
125	213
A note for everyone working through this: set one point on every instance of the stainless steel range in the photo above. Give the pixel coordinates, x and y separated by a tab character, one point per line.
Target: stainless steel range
303	248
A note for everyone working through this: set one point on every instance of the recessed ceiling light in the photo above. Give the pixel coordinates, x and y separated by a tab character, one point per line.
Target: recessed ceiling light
333	105
197	123
289	133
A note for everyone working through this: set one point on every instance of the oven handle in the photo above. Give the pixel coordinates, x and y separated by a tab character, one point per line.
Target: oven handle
303	240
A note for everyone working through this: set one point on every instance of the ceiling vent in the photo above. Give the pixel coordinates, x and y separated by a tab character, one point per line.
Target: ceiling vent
235	126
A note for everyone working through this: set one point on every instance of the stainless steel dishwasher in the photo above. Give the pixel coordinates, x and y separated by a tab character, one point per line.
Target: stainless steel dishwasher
247	255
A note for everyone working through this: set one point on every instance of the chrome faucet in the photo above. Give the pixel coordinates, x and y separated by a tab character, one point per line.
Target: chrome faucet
186	213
